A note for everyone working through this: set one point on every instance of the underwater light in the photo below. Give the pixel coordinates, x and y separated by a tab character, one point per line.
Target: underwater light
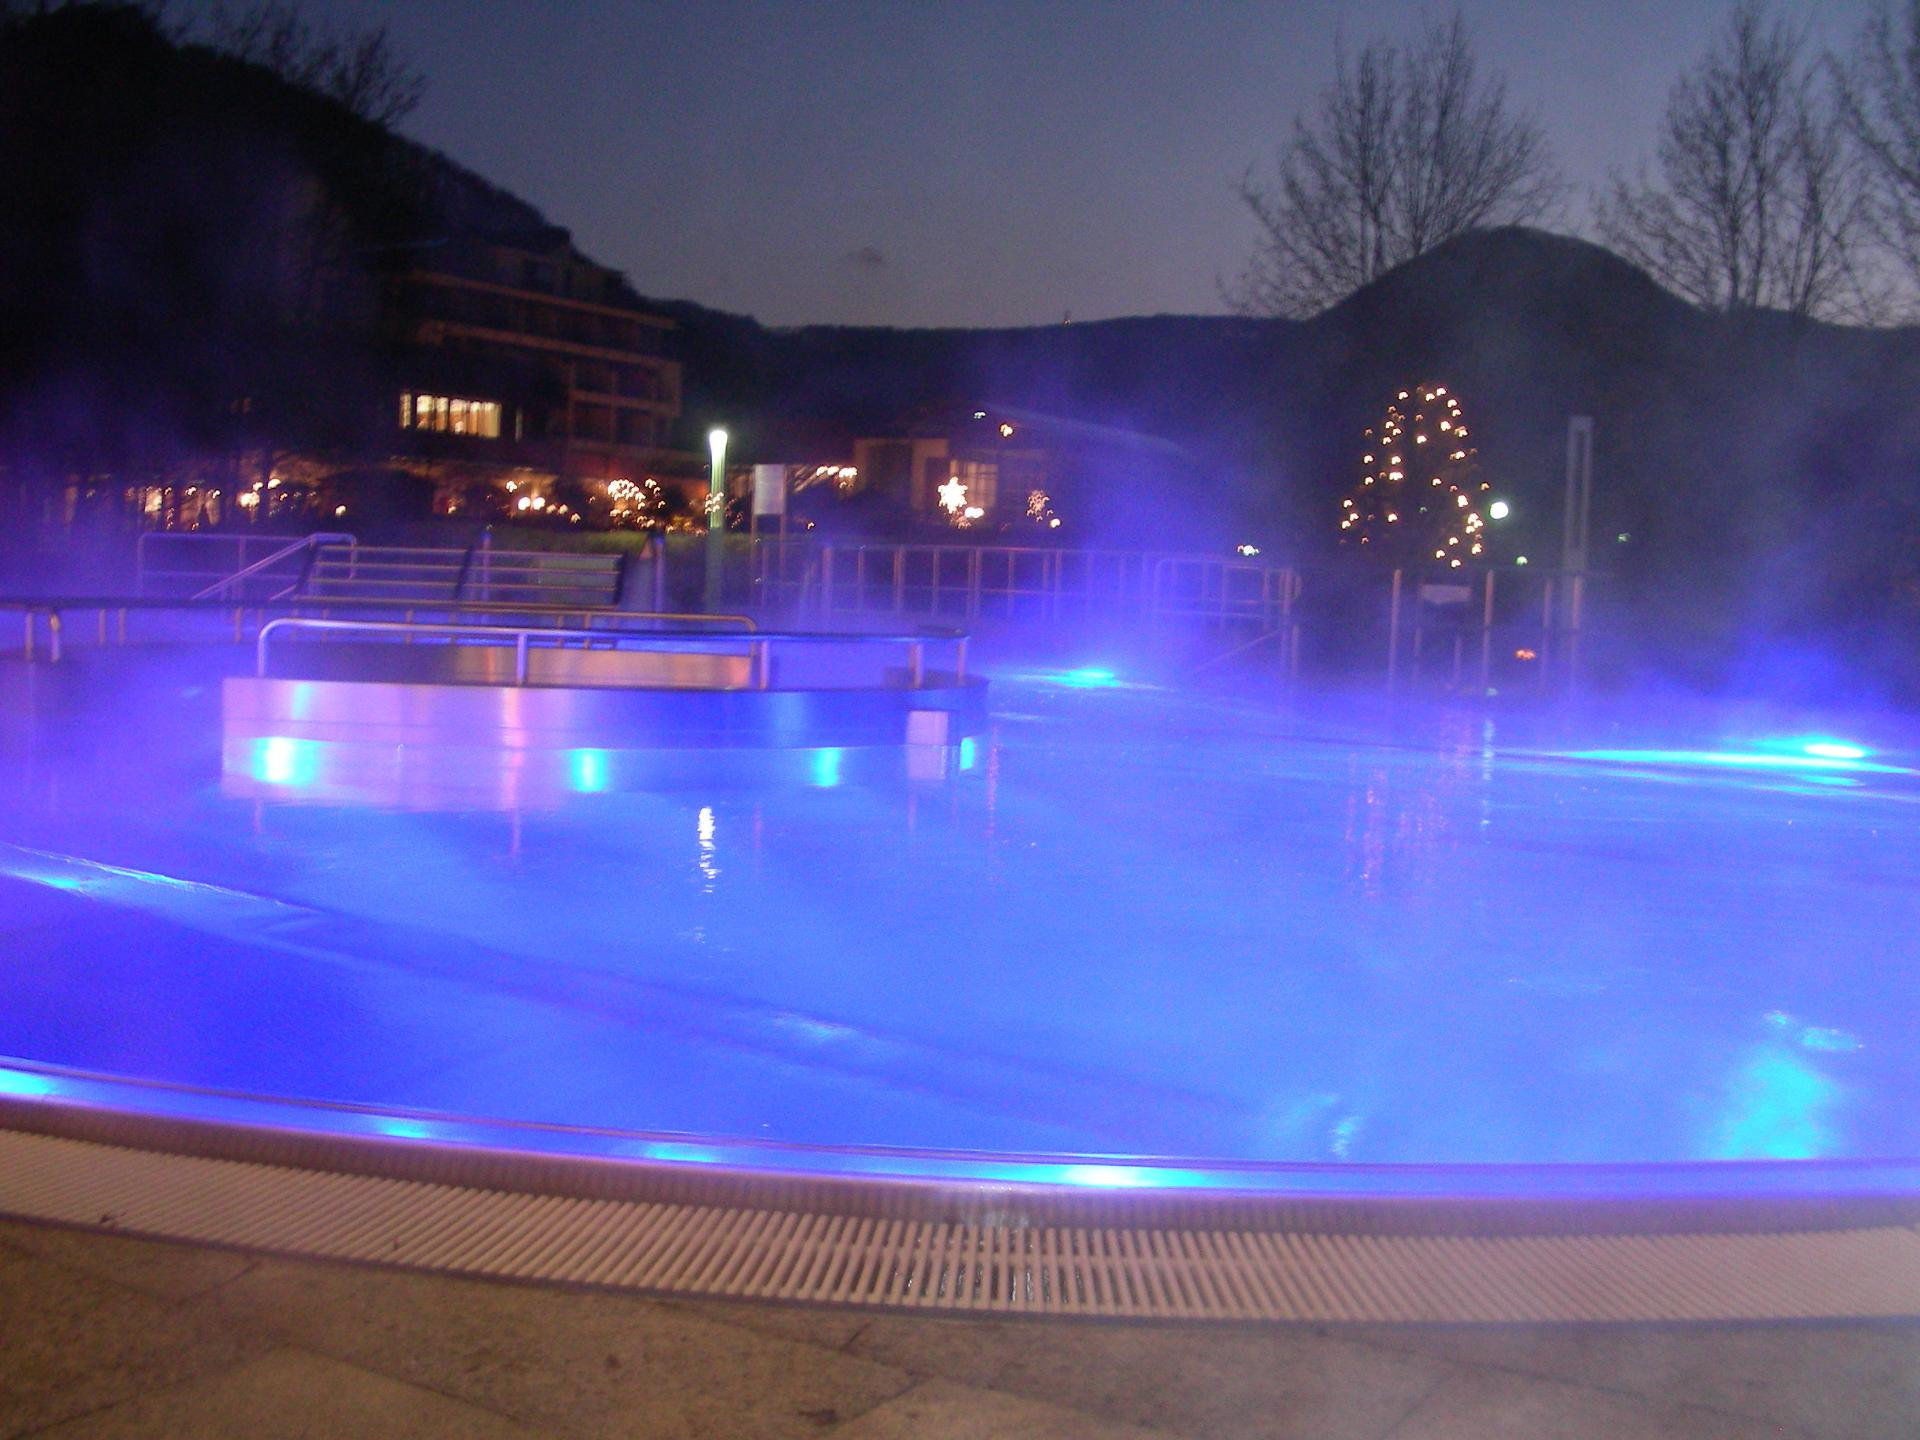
825	766
1087	677
1801	760
1834	750
587	770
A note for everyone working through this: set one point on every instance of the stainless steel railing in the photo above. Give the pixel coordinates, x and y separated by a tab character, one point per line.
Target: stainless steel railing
758	648
206	564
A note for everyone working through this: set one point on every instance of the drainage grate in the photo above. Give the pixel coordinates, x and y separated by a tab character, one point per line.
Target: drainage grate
1145	1274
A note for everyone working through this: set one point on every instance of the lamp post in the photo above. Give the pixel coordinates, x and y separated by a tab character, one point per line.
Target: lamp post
716	516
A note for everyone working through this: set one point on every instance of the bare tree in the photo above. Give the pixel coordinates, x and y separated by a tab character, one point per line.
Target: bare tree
1756	201
1880	99
361	70
1408	148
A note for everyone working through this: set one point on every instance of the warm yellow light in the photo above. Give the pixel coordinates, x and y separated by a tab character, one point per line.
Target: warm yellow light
1006	431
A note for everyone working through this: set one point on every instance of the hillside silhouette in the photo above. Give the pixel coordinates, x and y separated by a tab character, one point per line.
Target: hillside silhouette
1766	471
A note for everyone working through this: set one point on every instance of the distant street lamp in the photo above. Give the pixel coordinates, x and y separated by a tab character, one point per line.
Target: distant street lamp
716	516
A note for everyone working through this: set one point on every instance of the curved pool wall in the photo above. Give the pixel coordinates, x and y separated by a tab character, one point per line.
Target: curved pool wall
1149	952
414	744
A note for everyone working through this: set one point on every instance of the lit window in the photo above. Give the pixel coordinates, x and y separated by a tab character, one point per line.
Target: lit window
446	413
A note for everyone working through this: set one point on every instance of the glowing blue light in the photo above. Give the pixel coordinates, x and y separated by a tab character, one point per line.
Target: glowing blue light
1106	1176
1087	677
403	1129
1834	750
1804	759
683	1154
278	760
1776	1111
969	752
1117	1177
587	771
826	766
23	1082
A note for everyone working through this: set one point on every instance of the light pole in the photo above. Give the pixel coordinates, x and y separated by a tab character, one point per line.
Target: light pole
716	516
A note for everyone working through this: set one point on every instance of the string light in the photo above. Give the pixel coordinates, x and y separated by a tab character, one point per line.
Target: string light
1450	522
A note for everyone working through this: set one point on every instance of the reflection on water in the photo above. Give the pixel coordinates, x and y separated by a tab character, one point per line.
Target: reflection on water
1122	923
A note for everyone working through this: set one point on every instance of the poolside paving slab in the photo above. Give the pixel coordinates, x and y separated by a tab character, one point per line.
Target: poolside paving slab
163	1269
942	1410
1481	1404
1834	1381
293	1393
579	1363
1278	1383
71	1343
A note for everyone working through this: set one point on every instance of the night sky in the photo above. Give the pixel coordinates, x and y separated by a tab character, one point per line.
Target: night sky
962	164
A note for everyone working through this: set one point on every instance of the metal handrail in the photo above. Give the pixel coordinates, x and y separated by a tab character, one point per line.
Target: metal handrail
526	638
305	542
199	539
55	610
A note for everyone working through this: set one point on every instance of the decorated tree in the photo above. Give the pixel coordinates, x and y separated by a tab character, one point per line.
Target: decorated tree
1419	501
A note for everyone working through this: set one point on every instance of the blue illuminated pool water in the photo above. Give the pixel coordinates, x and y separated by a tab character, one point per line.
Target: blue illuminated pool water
1140	924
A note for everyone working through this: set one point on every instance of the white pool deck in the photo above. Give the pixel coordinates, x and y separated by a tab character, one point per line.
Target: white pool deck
105	1336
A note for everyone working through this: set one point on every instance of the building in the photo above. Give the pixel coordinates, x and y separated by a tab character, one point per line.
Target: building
527	365
972	470
1022	477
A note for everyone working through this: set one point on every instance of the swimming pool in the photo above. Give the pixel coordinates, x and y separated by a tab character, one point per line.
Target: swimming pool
1142	939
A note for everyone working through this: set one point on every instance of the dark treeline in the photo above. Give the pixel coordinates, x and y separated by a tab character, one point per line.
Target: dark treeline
190	249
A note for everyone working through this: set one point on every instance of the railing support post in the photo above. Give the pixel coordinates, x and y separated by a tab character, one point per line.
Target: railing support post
1486	636
1393	633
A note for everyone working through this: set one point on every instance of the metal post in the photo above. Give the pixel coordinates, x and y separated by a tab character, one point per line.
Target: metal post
960	659
1576	596
899	579
26	643
759	663
1574	529
826	580
1546	629
916	657
1486	637
1393	634
520	658
53	636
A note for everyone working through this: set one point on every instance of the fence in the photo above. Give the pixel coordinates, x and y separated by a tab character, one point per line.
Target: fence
1454	629
1463	630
